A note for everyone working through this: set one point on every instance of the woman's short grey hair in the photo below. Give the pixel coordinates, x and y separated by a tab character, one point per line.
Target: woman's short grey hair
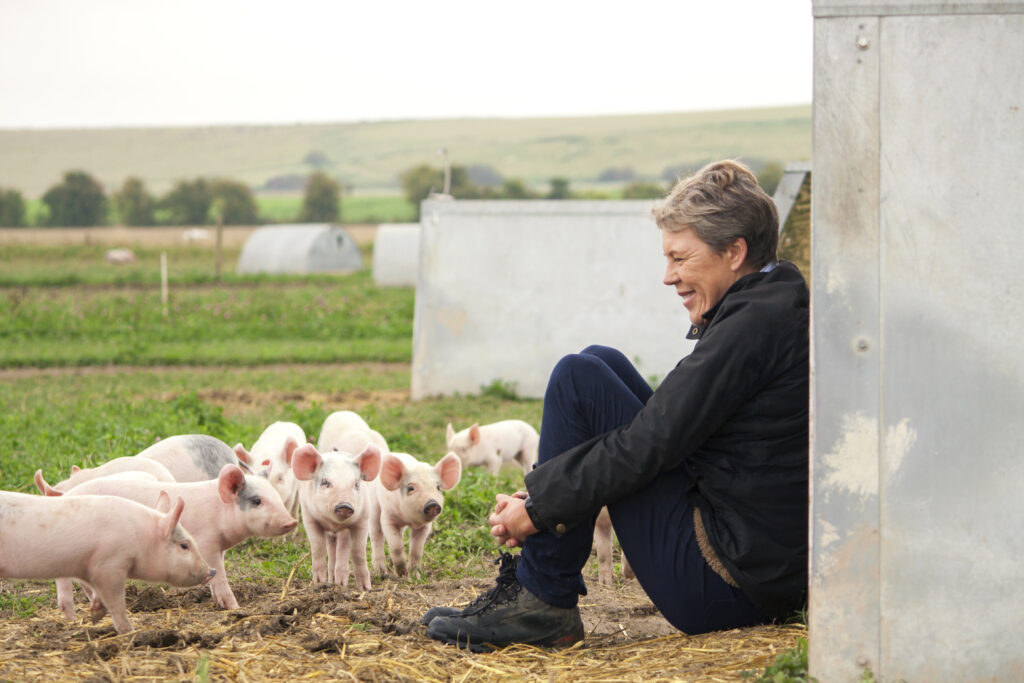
721	202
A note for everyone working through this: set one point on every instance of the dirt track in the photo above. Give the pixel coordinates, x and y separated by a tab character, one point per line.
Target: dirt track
234	236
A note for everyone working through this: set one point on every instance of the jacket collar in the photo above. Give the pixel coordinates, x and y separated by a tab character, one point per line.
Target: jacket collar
745	282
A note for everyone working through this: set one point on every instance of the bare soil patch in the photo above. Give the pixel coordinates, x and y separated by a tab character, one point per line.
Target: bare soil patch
235	401
63	370
234	236
285	632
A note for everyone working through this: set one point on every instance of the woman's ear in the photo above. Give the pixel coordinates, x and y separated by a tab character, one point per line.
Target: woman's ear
736	254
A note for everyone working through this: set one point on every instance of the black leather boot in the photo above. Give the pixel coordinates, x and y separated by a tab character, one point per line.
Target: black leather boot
508	614
506	575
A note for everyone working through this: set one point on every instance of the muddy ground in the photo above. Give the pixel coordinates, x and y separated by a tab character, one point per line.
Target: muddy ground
284	631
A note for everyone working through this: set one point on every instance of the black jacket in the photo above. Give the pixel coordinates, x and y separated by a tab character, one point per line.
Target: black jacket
735	414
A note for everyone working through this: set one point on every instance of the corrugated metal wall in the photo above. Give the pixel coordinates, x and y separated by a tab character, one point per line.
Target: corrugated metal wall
917	558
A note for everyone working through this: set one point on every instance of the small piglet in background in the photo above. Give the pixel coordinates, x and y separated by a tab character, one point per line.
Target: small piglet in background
333	494
603	546
194	457
272	455
494	444
101	540
409	493
128	463
346	431
220	513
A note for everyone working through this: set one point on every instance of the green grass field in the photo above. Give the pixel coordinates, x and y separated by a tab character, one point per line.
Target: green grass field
277	208
369	156
80	313
285	208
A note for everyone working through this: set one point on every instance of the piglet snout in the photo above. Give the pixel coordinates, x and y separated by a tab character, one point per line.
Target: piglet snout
432	509
209	577
344	510
285	528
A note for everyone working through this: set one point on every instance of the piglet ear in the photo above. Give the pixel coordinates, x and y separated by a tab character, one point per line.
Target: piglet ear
75	468
449	468
305	461
242	454
474	433
369	462
290	445
229	482
171	520
45	488
391	470
163	503
449	434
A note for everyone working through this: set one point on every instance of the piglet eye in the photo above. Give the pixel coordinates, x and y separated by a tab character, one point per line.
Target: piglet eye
326	484
410	489
185	546
256	500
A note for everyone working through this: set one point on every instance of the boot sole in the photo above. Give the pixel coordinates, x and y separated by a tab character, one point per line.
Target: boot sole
466	644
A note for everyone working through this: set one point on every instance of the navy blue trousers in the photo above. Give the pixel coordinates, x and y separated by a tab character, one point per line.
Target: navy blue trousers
588	394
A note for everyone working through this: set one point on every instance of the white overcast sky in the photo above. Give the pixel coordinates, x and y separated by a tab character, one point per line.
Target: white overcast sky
75	63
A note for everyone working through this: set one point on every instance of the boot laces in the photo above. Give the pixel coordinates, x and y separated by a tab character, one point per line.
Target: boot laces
506	586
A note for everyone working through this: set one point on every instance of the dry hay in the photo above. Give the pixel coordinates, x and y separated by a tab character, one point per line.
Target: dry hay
287	632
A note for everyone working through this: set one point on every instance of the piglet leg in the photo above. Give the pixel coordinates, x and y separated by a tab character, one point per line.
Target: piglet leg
66	597
223	596
110	592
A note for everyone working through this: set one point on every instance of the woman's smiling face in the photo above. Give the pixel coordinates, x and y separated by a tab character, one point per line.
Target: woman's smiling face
700	275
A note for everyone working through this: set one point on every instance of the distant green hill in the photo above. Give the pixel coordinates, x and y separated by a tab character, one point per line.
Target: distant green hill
370	155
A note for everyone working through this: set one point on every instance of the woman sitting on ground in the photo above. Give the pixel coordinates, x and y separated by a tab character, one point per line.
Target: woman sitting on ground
705	478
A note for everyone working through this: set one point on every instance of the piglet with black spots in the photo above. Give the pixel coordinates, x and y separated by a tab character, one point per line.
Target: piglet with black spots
195	457
101	540
220	513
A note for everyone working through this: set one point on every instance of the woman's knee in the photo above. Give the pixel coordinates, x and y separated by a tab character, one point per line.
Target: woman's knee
608	354
572	366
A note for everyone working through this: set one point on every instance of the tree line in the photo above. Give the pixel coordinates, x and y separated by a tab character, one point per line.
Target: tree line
482	182
479	181
79	200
